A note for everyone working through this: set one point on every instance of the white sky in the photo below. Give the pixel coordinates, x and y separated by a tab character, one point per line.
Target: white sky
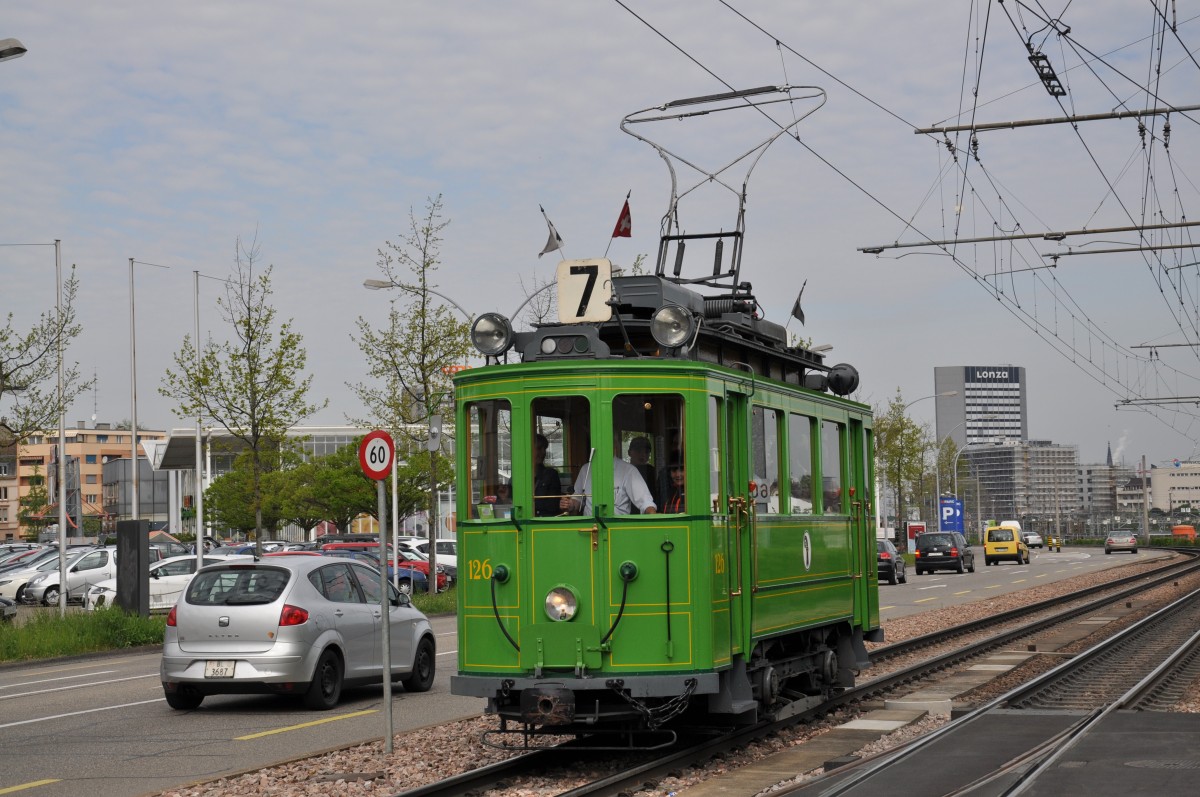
164	131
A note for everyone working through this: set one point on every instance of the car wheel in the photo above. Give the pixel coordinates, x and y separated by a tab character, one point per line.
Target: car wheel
405	586
971	567
326	687
903	576
182	699
1134	550
892	579
987	561
1107	552
424	668
960	568
50	596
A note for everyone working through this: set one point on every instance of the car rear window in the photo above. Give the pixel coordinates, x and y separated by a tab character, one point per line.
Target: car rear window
1000	535
238	584
932	540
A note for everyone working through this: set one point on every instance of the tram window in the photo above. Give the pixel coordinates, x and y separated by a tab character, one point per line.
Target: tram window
831	468
800	459
764	435
489	441
565	423
648	433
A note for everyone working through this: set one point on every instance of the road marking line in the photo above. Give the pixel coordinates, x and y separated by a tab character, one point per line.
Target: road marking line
933	586
925	600
996	586
77	713
79	686
1042	575
31	784
883	608
1020	581
964	592
305	725
63	678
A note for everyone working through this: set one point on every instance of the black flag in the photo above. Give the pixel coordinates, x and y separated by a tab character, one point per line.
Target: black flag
797	311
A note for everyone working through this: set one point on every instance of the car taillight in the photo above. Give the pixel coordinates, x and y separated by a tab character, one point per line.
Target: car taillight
171	617
885	555
917	554
292	615
954	552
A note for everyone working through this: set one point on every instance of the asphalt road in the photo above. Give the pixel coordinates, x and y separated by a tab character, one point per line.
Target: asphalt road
100	727
944	588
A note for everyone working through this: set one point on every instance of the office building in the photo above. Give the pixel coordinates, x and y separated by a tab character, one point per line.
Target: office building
989	404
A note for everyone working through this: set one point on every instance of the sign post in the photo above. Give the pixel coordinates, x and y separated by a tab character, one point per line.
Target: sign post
376	453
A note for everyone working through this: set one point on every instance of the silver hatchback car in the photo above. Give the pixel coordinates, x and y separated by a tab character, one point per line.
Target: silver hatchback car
297	625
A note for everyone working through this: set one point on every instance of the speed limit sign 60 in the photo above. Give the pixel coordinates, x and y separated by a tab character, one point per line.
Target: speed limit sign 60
375	454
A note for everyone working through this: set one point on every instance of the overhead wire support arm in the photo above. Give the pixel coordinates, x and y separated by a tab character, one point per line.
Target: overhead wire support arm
1048	236
1123	249
980	127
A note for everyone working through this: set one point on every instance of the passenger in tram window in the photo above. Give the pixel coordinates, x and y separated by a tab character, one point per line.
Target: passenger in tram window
547	487
674	501
639	457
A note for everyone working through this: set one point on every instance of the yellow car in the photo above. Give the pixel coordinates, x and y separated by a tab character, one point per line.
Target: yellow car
1001	544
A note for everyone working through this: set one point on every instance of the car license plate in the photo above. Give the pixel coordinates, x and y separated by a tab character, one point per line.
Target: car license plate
935	553
218	669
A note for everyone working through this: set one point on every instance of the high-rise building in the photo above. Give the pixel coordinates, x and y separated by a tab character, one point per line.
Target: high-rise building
989	404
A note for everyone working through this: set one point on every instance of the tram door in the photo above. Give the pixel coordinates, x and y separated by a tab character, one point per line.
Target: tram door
739	507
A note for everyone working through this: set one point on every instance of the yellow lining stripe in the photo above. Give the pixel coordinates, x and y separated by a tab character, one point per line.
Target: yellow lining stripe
31	784
314	723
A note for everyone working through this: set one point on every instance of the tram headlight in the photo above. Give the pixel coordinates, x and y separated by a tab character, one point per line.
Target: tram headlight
491	334
671	326
561	604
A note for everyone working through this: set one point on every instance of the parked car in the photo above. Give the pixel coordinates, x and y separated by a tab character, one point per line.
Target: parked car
27	559
1121	540
167	580
943	550
402	558
891	563
297	625
447	551
12	582
83	572
406	577
241	549
1032	540
168	548
12	559
1004	544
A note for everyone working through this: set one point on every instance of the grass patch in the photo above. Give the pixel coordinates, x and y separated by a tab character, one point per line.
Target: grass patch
44	634
441	603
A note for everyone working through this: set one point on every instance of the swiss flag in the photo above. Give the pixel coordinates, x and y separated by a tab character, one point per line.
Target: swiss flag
624	226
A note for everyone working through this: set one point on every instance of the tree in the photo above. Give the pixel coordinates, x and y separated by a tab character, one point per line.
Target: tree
900	448
332	488
411	355
31	508
29	369
229	500
253	385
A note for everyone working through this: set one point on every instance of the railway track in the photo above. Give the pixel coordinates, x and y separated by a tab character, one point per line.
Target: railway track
636	771
1032	727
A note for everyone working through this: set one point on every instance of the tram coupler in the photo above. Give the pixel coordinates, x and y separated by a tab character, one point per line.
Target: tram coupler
548	705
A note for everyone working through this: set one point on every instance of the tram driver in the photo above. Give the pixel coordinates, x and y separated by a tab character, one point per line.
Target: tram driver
629	490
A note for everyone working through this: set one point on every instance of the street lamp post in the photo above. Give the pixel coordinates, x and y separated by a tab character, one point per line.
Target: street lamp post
432	419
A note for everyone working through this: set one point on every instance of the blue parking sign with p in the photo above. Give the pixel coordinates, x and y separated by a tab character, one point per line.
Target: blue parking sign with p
952	514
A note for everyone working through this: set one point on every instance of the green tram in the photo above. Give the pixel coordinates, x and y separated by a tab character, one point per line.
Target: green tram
750	580
665	512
